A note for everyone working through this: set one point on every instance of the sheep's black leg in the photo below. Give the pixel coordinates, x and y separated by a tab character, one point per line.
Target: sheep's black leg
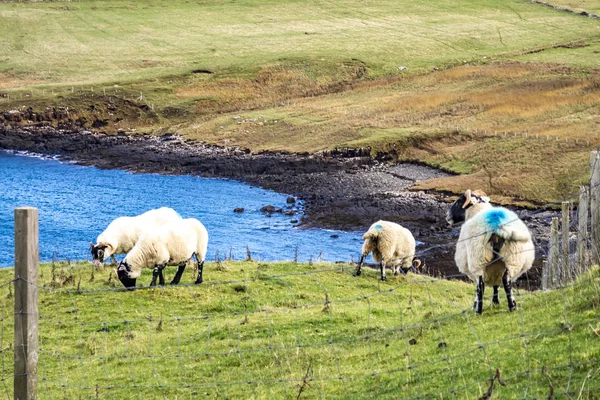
512	304
180	270
155	273
382	266
478	306
362	258
161	277
495	299
200	268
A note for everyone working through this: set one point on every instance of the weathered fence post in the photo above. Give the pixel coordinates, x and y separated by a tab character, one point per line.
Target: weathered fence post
595	206
565	273
582	228
26	303
545	275
553	253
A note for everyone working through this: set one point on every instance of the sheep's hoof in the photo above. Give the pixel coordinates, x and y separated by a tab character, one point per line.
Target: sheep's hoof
512	307
396	273
357	273
383	278
495	300
198	282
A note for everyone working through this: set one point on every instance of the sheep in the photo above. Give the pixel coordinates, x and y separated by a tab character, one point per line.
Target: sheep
391	244
494	245
123	232
171	244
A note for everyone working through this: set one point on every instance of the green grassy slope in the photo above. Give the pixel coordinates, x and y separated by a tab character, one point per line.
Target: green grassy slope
283	330
94	42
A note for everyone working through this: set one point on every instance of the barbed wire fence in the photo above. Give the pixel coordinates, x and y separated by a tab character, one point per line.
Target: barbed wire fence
257	330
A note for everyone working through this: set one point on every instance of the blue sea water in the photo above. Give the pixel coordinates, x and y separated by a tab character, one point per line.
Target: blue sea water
75	204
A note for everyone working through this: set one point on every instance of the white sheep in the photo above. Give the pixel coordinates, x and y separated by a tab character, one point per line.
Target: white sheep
123	232
171	244
391	244
494	245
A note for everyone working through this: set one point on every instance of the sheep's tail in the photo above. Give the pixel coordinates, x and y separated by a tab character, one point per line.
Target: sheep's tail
373	232
371	235
506	225
517	235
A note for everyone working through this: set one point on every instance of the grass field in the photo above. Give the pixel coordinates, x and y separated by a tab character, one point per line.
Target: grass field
313	75
286	330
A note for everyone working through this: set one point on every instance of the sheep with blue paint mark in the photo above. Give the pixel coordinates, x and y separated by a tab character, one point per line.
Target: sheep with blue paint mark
123	233
391	245
171	244
494	245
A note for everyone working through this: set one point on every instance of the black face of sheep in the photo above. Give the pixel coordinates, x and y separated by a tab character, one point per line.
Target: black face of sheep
456	213
97	254
122	273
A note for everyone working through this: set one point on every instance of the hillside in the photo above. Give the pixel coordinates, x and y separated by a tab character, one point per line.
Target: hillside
445	83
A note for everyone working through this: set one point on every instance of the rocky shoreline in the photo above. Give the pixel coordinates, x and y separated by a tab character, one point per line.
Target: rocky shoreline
344	189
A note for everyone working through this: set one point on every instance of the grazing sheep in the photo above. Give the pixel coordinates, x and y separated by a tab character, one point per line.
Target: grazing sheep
391	244
123	232
171	244
494	245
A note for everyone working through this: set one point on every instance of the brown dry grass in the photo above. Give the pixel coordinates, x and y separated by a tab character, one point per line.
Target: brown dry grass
454	119
11	82
272	85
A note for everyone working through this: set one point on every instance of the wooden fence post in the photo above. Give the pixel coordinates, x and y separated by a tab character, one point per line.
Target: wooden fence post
565	272
26	303
582	228
595	206
545	275
553	253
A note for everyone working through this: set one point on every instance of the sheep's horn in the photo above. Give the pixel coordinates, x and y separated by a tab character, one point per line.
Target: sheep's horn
468	198
91	245
116	272
416	263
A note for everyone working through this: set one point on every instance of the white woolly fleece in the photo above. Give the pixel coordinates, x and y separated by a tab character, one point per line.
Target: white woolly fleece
123	233
391	243
170	244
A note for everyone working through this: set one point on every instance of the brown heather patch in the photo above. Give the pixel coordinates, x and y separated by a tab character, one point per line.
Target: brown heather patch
515	168
11	82
498	71
271	86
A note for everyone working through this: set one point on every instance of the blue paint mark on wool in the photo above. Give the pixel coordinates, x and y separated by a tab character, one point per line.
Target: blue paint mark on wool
496	218
378	228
